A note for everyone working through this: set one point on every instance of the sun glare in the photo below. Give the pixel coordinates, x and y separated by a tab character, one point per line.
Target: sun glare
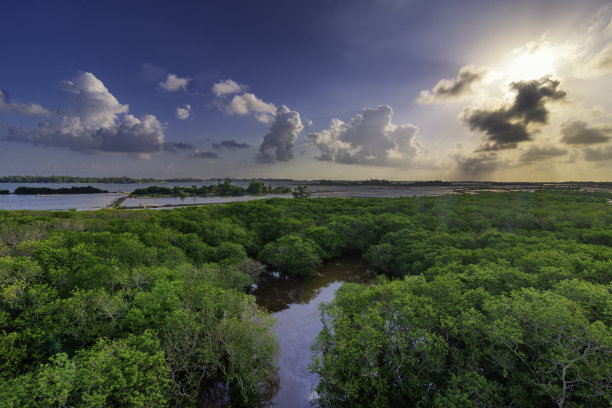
531	62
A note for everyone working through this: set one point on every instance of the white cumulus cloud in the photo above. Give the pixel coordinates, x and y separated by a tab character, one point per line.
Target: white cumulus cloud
249	103
97	122
278	144
32	109
184	112
369	138
175	83
242	103
227	87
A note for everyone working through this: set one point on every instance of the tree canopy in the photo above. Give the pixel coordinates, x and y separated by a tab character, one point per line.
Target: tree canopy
482	300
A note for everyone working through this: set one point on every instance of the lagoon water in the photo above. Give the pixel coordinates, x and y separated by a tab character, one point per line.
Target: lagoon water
96	201
60	202
186	201
115	191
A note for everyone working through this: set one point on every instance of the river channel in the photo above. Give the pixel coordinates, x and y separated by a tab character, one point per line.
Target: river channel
295	305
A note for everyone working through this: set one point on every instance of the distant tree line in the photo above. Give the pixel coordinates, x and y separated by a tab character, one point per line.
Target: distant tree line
377	182
63	190
225	188
4	192
96	180
371	182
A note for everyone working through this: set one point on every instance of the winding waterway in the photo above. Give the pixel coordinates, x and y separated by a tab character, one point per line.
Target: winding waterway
295	304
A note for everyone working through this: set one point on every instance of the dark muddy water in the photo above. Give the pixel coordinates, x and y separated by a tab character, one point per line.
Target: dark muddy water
295	304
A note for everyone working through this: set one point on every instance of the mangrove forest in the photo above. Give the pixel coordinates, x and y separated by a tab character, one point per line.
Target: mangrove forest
488	300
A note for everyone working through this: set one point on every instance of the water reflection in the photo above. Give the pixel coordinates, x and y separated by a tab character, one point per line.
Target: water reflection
295	304
216	395
278	293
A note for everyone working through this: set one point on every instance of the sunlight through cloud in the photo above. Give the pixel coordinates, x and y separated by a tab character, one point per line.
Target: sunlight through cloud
534	61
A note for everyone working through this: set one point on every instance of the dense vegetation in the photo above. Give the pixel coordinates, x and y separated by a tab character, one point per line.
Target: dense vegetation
4	192
225	188
483	300
494	301
61	190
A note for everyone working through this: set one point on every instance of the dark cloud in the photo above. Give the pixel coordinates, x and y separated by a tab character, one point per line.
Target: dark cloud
449	89
368	138
507	126
12	108
500	132
540	153
201	154
278	144
530	98
174	147
132	135
98	123
601	154
578	132
476	166
230	145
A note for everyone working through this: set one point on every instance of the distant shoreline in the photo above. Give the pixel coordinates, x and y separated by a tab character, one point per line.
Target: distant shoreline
90	180
36	179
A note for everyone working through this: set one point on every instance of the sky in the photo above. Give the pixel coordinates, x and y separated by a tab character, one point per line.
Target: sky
319	89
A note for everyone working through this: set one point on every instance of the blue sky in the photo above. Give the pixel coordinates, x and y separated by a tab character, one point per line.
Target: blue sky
393	89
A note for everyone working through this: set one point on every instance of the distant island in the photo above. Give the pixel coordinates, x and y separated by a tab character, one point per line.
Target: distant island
225	188
57	191
93	180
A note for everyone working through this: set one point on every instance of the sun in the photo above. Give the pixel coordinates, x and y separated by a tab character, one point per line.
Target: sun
533	61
